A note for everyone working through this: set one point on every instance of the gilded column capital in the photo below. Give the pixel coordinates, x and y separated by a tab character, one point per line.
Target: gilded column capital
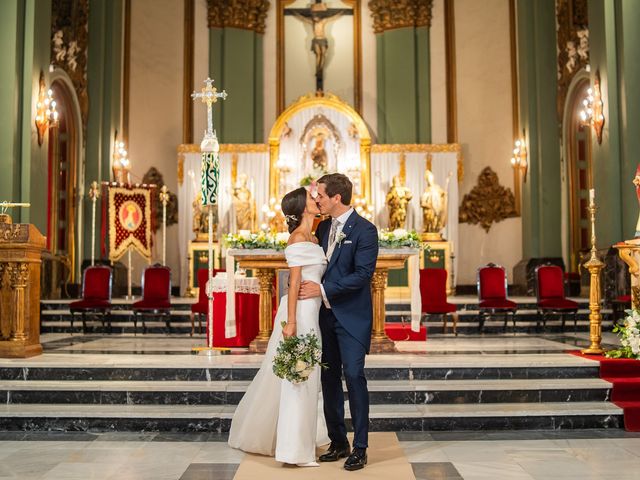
245	14
18	274
391	14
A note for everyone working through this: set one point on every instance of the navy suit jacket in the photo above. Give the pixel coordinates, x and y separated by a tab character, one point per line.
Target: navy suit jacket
347	280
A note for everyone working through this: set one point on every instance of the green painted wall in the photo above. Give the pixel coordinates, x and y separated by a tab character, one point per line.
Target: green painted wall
403	86
104	84
541	211
235	63
628	16
603	57
24	31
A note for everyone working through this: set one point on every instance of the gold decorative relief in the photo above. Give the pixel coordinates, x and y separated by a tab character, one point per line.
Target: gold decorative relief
572	24
13	232
245	14
488	202
391	14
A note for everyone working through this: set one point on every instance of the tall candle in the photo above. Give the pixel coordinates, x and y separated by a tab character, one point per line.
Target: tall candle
592	196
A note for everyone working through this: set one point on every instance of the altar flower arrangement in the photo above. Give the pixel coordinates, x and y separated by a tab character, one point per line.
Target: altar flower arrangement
297	356
398	238
629	334
260	240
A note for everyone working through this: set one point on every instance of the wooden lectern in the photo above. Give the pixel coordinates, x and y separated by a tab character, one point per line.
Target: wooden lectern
21	247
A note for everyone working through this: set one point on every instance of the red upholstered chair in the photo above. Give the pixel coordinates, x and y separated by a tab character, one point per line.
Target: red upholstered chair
201	308
550	294
433	292
156	296
492	294
618	306
96	295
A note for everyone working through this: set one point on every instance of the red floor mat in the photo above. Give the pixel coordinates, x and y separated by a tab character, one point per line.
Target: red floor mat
624	374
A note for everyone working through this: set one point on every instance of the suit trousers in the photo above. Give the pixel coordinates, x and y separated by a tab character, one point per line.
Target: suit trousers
341	351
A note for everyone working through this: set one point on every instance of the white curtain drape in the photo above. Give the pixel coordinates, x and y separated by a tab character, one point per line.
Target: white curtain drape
254	164
385	165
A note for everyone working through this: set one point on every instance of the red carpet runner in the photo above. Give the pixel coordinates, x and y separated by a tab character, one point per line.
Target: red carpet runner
624	374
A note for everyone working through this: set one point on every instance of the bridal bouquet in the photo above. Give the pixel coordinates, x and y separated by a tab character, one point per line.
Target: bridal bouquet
629	334
296	357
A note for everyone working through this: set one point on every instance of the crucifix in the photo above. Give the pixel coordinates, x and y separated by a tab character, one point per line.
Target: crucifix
210	180
318	15
209	95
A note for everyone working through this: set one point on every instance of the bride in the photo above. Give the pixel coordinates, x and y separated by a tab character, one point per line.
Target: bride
276	416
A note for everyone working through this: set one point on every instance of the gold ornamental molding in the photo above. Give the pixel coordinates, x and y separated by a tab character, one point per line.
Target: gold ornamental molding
488	202
244	14
392	14
428	149
572	24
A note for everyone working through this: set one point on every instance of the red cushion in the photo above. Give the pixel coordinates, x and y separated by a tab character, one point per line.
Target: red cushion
439	308
96	283
399	332
151	304
90	303
200	307
156	283
550	282
623	299
499	304
558	304
492	283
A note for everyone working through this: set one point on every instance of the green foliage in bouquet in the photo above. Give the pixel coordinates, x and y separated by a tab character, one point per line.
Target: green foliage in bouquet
629	334
297	356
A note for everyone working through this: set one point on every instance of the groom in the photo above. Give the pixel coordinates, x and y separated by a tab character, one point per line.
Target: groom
346	315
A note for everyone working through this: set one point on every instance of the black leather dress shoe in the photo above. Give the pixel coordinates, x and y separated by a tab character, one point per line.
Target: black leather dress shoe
357	459
336	452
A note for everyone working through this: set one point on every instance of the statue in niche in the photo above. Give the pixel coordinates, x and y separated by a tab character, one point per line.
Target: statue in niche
398	198
318	15
319	154
243	204
434	204
200	224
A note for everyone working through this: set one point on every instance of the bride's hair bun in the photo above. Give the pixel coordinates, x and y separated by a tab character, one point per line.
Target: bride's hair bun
293	205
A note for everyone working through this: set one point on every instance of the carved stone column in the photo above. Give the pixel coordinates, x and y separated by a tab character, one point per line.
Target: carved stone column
18	274
265	277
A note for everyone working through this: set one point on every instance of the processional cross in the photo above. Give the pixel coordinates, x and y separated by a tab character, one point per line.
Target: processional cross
209	95
318	15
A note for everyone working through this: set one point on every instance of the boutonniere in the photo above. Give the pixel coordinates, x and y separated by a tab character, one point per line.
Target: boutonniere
340	236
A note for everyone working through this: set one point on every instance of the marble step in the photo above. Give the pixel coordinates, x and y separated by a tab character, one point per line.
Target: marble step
389	417
381	392
247	373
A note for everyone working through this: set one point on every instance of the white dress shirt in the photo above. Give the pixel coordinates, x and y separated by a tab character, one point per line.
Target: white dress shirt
342	220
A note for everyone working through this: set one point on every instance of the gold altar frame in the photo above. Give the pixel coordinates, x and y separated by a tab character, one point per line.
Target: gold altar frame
328	101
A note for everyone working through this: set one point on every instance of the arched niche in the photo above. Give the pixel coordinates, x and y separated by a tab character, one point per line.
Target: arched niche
295	135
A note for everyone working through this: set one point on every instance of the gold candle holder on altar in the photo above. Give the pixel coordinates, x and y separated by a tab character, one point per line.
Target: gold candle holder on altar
594	265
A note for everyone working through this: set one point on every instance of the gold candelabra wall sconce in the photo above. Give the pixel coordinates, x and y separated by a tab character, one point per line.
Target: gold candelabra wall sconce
592	115
520	165
46	113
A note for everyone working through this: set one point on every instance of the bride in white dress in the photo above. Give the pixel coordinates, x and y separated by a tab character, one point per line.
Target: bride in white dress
276	416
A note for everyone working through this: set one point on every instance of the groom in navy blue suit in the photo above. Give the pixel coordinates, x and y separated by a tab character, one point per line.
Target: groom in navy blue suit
346	315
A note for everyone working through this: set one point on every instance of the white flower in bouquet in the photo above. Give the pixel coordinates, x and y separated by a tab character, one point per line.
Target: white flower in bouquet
244	234
301	366
282	237
400	233
305	373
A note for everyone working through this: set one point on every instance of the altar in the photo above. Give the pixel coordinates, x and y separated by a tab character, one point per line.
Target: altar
313	136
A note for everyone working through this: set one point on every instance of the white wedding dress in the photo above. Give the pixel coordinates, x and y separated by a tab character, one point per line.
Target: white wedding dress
276	416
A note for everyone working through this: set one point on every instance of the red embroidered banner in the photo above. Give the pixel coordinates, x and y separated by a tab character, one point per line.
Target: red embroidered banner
129	221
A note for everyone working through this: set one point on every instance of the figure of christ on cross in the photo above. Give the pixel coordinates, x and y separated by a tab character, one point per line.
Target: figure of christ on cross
318	15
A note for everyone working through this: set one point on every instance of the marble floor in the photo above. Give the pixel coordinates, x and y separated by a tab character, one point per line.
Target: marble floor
544	455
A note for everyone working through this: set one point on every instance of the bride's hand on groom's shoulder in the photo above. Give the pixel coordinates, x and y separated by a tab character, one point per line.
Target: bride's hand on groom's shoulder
289	330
